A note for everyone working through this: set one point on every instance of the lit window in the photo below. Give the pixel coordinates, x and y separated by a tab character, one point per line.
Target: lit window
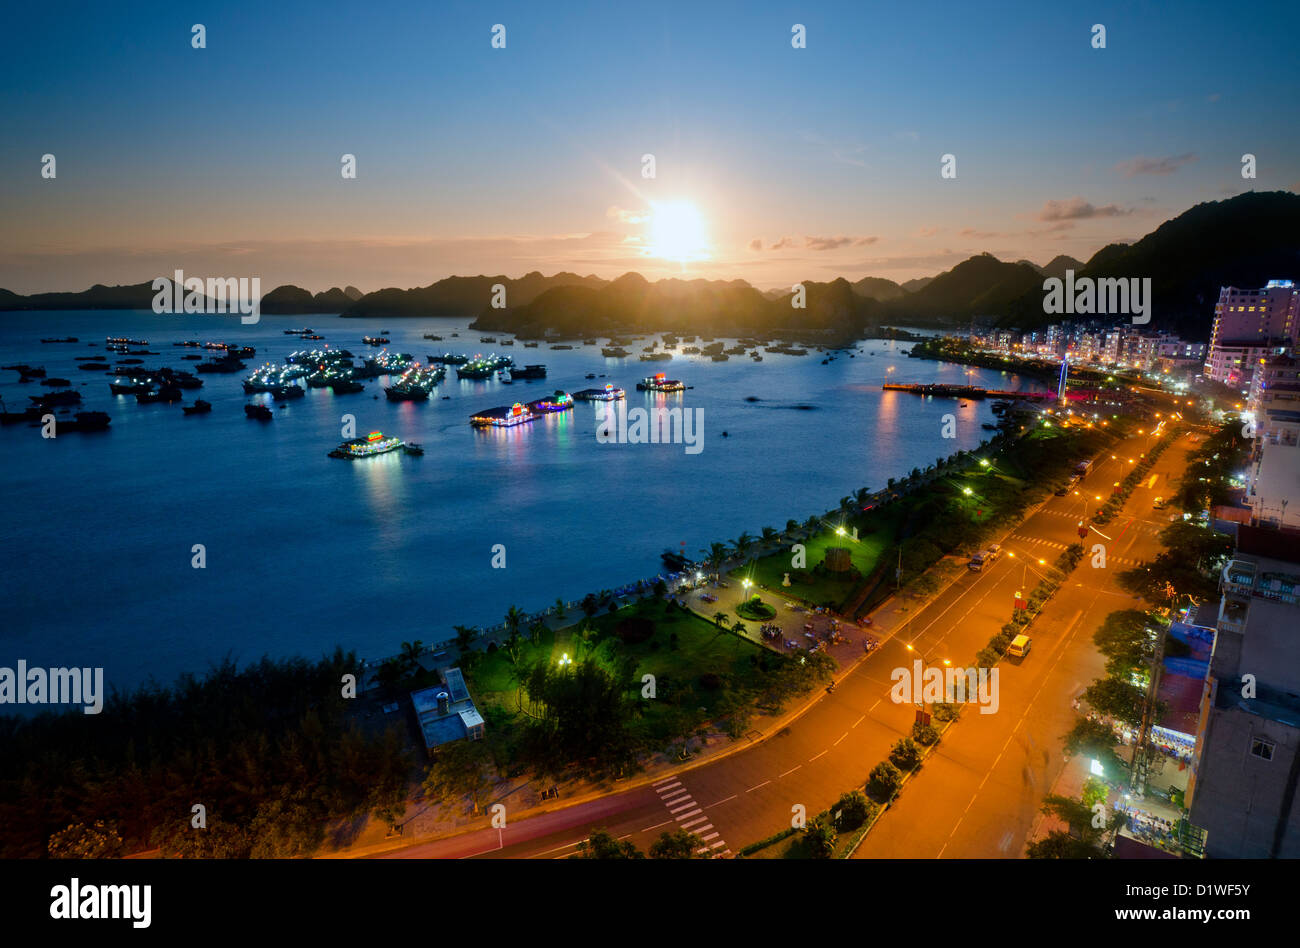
1261	749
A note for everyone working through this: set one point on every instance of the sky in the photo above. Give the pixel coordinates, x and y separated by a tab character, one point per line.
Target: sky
772	164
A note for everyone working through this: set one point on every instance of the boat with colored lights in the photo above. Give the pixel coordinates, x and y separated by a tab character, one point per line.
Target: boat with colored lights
658	383
609	393
370	446
505	417
559	401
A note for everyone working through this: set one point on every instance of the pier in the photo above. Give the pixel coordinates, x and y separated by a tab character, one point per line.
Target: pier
944	390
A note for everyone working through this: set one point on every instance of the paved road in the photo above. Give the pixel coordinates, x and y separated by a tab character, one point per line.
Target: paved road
750	794
979	795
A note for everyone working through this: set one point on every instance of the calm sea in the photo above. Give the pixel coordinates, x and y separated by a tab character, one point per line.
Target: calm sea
305	551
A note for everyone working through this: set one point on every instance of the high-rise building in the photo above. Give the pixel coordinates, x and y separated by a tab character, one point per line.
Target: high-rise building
1244	790
1250	325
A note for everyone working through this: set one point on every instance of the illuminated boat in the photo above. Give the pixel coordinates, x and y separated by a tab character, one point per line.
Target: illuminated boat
516	414
560	401
609	393
370	446
375	340
658	383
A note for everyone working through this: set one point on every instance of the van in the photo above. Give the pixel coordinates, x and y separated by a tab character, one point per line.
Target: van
1019	646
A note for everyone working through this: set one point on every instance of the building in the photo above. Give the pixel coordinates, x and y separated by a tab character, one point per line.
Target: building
1244	790
1250	325
446	712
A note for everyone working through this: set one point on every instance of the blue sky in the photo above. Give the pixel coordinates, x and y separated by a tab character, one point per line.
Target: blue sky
802	163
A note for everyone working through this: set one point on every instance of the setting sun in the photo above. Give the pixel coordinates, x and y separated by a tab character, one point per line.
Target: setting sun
677	232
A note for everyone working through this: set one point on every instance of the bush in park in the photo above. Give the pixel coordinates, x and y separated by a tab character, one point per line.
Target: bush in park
944	711
883	781
905	755
986	658
924	733
820	836
852	810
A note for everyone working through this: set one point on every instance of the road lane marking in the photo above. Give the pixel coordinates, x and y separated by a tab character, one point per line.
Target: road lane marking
841	737
861	719
662	780
819	755
720	802
685	825
685	806
687	816
705	839
656	826
790	771
763	784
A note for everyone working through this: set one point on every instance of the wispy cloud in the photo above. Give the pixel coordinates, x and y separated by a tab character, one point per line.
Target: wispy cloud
1076	208
1144	165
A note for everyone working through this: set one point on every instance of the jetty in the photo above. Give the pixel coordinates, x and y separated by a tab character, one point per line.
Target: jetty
946	390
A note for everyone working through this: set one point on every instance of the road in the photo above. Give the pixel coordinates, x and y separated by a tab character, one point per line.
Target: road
748	795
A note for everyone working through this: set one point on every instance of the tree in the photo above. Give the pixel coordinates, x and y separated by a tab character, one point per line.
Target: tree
535	629
769	534
1061	845
410	656
905	754
1118	700
740	630
99	840
465	636
514	616
681	844
1098	741
459	770
743	544
590	605
720	619
601	845
791	527
559	606
852	810
883	780
820	836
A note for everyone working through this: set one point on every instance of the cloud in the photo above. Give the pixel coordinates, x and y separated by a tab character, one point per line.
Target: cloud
782	244
827	243
1076	208
756	244
927	231
978	234
1144	165
625	216
928	262
865	241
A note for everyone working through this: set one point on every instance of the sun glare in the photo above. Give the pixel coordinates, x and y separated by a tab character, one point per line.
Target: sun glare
676	232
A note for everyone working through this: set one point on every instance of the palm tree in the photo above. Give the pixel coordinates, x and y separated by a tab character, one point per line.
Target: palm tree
559	606
812	523
411	655
862	494
790	527
846	504
740	631
513	617
720	619
742	544
535	629
769	534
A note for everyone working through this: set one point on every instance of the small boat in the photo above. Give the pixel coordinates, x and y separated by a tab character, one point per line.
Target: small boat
487	339
529	372
346	386
530	345
412	448
95	367
614	352
260	412
296	332
561	347
285	392
429	335
166	394
375	340
200	407
591	375
66	397
130	388
64	339
56	382
86	421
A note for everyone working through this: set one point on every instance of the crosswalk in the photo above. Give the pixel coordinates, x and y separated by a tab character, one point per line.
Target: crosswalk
689	816
1054	545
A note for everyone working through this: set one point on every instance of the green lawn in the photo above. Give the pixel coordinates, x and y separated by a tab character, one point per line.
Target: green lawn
877	532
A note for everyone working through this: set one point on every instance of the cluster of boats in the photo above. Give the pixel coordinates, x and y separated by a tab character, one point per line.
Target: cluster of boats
373	445
416	383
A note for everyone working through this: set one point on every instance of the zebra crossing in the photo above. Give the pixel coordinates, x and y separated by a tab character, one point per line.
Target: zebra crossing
689	816
1054	545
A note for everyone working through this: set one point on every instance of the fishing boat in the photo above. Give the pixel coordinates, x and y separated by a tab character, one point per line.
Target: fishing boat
200	407
406	392
529	372
656	357
372	445
614	352
132	387
346	386
51	399
375	340
165	394
259	412
86	421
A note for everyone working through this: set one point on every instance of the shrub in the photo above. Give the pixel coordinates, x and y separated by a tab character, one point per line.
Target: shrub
924	733
944	711
710	681
905	755
854	809
820	836
883	781
986	658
